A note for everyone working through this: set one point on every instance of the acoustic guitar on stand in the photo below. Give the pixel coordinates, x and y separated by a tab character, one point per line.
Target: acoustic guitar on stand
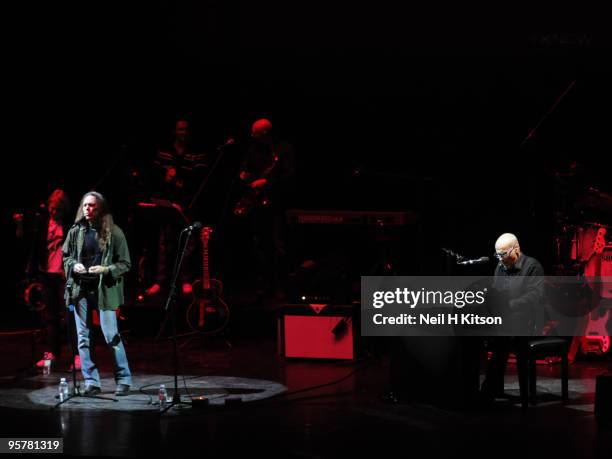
207	313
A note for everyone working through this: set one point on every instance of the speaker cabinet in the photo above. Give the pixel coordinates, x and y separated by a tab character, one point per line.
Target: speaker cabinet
318	331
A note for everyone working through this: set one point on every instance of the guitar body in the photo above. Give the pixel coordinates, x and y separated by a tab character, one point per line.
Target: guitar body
596	339
250	200
255	197
207	313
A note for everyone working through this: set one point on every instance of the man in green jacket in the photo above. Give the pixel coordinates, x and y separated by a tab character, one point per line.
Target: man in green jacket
96	257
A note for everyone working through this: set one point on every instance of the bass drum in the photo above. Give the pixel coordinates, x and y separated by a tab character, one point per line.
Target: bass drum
33	294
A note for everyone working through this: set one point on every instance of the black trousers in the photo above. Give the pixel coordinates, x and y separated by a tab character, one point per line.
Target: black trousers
500	348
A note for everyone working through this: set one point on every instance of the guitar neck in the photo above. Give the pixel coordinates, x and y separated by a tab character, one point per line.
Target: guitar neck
268	170
205	263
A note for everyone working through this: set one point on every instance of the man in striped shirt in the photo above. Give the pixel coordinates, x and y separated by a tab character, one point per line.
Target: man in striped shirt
177	174
177	169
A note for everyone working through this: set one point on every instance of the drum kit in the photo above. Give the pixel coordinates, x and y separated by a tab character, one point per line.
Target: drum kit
583	242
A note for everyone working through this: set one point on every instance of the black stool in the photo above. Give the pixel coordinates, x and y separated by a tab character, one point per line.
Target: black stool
541	348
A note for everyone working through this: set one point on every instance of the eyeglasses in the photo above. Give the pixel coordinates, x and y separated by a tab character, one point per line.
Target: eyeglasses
501	255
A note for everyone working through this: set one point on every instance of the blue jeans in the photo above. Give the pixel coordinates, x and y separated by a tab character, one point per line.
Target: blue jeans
108	322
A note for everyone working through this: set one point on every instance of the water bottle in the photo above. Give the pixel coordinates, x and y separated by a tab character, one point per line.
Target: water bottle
63	390
47	364
163	397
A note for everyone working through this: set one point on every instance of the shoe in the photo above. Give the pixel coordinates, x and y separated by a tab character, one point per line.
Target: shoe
153	290
122	389
91	390
391	397
46	356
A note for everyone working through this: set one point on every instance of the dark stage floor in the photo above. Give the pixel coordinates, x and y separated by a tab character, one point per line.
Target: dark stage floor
329	409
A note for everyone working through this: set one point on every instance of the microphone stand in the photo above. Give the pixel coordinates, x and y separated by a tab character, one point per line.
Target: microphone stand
531	135
449	256
221	151
170	309
104	176
532	132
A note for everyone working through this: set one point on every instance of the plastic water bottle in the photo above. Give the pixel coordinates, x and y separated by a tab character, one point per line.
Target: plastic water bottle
163	397
63	390
46	365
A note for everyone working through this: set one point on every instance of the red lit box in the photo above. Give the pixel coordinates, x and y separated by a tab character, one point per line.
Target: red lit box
318	331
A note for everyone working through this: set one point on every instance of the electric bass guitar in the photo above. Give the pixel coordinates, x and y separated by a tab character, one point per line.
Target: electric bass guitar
255	197
596	339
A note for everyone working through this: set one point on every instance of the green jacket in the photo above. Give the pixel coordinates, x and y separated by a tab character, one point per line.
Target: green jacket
115	255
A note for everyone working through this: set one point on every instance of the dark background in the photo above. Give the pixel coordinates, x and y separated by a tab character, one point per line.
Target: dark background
419	107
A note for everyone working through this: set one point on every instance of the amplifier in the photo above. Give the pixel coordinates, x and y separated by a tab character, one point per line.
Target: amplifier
318	331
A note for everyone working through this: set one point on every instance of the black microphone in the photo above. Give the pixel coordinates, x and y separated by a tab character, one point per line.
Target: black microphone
79	221
476	261
194	225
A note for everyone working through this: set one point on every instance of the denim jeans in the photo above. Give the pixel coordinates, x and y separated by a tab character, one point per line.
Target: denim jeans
108	322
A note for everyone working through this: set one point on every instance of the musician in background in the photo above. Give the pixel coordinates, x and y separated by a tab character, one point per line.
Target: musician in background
520	278
268	177
177	172
45	233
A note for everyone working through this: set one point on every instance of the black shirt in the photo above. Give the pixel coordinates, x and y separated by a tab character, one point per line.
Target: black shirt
91	255
524	266
261	155
189	169
523	286
274	161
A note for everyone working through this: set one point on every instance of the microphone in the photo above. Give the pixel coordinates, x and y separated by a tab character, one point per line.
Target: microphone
227	143
477	261
193	226
79	221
